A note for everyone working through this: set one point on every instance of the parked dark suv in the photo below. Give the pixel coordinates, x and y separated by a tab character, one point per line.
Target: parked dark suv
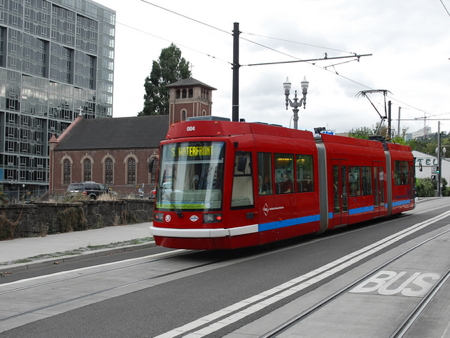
91	189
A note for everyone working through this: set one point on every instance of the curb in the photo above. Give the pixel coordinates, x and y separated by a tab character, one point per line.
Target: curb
7	269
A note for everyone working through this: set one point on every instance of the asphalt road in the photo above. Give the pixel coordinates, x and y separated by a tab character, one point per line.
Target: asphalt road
161	290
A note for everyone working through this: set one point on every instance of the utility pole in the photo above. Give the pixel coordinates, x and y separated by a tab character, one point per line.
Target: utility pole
236	65
424	126
439	168
389	131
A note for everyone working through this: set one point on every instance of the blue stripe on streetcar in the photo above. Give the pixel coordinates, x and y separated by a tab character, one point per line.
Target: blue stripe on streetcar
403	202
361	210
288	222
314	218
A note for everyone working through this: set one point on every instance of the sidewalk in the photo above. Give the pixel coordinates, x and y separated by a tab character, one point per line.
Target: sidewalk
21	253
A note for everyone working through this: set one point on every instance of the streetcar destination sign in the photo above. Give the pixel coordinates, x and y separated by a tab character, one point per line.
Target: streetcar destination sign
192	151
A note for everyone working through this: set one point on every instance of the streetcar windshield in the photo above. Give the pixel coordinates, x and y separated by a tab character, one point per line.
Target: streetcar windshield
191	176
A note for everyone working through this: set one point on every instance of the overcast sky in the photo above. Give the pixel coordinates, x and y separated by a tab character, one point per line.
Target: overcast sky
409	41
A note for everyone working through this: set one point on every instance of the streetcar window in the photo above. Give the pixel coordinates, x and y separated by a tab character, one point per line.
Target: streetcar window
401	174
191	176
265	174
284	173
354	179
305	182
242	196
344	189
336	193
366	180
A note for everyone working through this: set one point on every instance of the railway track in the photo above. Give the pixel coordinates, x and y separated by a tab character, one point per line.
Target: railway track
44	296
294	324
65	289
219	322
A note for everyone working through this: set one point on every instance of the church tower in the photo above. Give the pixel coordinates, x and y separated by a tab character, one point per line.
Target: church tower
189	98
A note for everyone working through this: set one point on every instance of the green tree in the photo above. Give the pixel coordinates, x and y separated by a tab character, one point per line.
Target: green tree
363	133
169	68
399	140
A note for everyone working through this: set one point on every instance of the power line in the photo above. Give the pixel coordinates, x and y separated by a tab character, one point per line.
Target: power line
298	43
357	56
186	17
256	43
171	41
277	51
448	13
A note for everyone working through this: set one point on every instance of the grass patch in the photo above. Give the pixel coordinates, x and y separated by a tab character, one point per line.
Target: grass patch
126	243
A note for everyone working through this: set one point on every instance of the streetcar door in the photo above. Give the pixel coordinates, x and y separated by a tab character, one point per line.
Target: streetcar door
378	187
340	193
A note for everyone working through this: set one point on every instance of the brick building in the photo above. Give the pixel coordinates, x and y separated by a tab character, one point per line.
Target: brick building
122	152
189	98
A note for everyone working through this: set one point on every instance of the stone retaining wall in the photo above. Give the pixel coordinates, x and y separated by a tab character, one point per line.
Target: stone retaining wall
40	219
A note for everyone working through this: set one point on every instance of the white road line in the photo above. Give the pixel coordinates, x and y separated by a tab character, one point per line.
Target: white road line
258	302
160	255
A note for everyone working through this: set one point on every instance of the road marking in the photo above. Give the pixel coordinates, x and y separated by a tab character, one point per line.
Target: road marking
160	255
246	307
416	285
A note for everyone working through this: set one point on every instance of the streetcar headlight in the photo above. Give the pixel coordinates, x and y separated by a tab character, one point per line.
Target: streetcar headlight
158	216
212	218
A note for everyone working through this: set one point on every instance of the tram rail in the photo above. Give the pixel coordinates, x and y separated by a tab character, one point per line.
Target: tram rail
401	329
21	288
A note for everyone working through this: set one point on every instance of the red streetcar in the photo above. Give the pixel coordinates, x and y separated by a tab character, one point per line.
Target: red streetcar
226	185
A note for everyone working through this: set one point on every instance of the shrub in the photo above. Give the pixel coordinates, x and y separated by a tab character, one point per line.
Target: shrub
72	219
7	227
425	187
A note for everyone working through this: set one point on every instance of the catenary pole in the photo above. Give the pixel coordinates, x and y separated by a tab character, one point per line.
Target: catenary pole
389	131
439	160
236	65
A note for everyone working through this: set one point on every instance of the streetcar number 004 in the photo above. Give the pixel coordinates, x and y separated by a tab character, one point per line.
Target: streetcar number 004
190	128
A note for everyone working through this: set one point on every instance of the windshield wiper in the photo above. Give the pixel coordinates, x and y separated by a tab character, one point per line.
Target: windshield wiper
173	205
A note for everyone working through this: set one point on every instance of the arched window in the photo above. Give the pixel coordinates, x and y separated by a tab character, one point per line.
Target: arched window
87	165
184	93
67	178
177	94
190	93
152	169
183	115
131	172
109	172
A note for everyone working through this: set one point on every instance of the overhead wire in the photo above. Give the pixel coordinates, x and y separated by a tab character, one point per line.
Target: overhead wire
186	17
171	41
298	43
333	67
448	13
277	51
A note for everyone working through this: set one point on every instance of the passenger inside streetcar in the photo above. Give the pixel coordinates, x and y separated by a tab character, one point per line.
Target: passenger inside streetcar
195	182
285	186
307	184
265	186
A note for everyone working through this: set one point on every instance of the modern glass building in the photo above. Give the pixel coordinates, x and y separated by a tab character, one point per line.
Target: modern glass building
56	62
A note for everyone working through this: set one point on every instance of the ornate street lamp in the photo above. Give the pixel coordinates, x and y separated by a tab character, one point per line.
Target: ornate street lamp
296	104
